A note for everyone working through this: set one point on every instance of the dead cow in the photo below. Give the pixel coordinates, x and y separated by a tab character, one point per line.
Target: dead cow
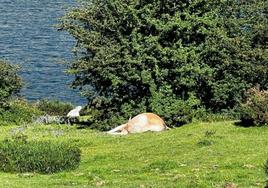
141	123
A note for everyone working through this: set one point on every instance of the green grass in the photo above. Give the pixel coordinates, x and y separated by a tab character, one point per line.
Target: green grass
195	155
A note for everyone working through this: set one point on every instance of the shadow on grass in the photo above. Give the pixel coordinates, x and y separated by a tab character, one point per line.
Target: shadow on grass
245	123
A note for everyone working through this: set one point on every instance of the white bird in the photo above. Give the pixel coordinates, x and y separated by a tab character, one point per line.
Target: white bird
75	112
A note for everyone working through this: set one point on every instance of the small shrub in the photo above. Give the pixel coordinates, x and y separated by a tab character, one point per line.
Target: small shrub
19	111
18	155
210	133
10	82
255	110
54	107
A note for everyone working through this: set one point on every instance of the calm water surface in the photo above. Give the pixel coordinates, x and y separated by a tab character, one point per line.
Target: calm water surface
28	37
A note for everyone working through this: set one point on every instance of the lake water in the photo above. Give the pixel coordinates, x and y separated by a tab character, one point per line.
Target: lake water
28	38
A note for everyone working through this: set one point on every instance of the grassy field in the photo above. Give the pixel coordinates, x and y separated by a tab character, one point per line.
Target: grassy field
195	155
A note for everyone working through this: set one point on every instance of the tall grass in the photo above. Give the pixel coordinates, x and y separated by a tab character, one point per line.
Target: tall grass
37	156
19	111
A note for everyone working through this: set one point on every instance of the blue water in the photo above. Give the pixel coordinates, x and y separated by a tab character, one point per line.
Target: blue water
28	38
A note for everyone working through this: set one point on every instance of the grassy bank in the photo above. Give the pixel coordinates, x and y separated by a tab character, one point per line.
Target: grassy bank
195	155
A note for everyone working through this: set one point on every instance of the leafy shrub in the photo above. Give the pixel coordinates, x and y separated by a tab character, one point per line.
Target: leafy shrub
207	139
19	111
255	110
10	82
54	107
37	156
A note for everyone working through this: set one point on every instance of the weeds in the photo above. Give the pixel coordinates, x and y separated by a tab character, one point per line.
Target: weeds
19	155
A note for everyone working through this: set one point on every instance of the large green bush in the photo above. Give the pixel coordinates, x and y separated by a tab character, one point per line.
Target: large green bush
168	57
10	82
255	110
37	156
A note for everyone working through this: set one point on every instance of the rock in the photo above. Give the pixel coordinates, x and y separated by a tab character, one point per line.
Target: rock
47	119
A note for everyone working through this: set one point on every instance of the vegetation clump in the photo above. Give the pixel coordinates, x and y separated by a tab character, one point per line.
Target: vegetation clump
255	110
20	155
10	82
19	111
54	107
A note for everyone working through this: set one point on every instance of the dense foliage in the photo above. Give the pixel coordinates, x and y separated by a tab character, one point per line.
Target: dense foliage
54	107
19	111
255	110
169	57
38	156
10	82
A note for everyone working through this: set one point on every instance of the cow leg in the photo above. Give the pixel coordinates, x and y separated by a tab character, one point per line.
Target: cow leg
117	129
119	133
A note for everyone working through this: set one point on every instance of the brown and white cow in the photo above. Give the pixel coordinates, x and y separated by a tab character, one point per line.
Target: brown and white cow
141	123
